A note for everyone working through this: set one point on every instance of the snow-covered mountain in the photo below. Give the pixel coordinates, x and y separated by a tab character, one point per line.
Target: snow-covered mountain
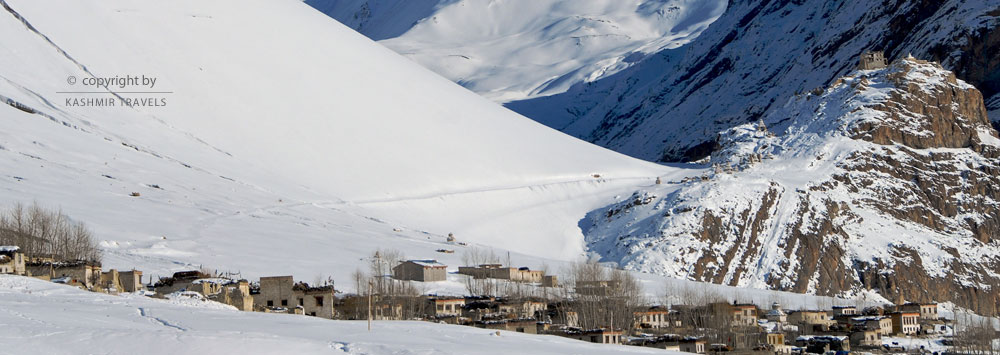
515	50
672	105
884	181
279	134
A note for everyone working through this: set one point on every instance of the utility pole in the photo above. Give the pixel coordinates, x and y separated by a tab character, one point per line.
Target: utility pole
370	284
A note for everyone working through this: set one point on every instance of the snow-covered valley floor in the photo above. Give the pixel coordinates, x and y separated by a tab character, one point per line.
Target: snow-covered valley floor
47	318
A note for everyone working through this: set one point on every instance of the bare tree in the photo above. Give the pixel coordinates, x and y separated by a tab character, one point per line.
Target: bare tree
38	231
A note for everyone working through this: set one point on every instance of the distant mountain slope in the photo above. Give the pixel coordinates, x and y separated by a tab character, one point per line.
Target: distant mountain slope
671	106
513	50
884	181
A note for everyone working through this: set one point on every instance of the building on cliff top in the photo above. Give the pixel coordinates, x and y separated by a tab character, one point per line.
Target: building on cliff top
871	60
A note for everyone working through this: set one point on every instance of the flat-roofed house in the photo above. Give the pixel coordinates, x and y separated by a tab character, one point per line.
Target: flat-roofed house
420	270
275	292
315	301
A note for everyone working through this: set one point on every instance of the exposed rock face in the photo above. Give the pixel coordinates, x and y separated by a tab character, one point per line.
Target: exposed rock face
672	105
888	181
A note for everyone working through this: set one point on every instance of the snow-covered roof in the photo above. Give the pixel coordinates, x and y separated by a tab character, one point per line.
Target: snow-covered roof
428	263
776	312
9	248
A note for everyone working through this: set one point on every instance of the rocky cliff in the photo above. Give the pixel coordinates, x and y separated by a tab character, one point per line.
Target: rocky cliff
884	182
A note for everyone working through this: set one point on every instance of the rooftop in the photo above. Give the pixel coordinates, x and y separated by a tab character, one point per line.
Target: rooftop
427	263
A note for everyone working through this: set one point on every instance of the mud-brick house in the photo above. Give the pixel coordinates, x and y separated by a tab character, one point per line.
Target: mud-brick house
274	291
11	260
420	270
86	274
905	323
315	301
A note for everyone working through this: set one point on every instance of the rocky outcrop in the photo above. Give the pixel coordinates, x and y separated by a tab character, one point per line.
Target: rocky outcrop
887	181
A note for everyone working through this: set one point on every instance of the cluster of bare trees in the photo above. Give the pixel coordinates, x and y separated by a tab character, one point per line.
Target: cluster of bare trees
604	297
38	231
385	292
974	334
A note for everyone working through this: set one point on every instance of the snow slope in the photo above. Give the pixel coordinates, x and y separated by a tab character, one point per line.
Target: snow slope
519	49
46	318
297	119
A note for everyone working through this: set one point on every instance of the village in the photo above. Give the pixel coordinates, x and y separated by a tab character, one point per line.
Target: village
599	306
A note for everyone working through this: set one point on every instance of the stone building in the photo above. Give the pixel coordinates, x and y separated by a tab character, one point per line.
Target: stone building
871	60
275	292
11	260
420	270
236	294
315	301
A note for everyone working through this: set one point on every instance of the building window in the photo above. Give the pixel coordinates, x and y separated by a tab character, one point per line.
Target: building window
284	302
270	303
319	301
302	302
